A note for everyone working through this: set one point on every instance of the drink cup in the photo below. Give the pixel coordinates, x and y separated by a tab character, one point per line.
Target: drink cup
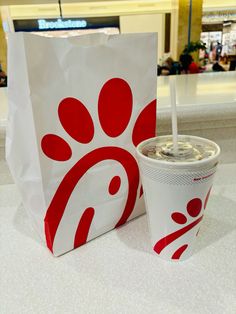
176	190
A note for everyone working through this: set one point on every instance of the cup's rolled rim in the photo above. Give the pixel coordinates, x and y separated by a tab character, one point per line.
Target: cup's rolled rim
179	165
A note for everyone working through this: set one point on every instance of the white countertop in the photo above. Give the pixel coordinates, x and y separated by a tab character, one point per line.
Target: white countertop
204	101
206	105
3	114
208	99
203	89
117	272
214	91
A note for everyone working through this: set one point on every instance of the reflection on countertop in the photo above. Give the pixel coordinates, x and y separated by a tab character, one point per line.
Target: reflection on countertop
206	105
198	89
192	91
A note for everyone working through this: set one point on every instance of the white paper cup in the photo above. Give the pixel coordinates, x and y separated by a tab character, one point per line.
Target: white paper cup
176	196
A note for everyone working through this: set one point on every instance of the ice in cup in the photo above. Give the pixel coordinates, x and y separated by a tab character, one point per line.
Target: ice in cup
176	190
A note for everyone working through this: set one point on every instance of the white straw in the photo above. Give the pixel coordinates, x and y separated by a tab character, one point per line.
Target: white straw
174	113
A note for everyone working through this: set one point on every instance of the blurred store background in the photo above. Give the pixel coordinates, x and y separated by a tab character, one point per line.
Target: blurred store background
193	35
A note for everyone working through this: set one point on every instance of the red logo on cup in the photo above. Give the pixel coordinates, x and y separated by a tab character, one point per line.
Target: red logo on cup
194	210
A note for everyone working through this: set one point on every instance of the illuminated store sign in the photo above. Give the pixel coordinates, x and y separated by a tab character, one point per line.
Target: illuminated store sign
38	25
218	17
61	24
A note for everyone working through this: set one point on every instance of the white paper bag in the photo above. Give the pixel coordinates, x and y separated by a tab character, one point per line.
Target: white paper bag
78	106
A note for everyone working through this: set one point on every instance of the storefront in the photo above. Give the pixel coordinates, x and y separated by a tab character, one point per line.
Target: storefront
219	32
63	27
112	16
162	17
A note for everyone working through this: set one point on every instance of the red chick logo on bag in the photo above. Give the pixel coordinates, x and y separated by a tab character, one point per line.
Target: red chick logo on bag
115	107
